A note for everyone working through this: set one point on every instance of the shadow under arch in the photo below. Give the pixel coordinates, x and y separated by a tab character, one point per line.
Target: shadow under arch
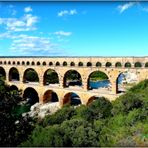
72	99
98	79
50	96
14	74
50	77
72	78
2	73
31	95
30	75
91	99
13	87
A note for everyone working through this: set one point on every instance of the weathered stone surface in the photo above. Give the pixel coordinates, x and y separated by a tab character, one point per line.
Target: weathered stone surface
112	72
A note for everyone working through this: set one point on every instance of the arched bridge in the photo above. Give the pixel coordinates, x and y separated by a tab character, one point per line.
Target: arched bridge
84	66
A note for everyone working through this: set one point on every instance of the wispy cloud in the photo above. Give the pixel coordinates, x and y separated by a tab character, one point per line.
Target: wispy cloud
125	6
28	45
67	12
63	33
25	23
28	9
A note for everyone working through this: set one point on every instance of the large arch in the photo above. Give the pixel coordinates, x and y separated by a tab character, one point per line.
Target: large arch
72	99
14	74
31	95
91	99
2	73
125	80
98	79
72	78
50	77
50	96
30	75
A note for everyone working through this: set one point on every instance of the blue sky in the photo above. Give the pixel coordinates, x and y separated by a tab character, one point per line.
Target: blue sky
74	28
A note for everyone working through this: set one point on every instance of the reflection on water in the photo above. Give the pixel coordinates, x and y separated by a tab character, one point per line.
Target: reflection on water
99	84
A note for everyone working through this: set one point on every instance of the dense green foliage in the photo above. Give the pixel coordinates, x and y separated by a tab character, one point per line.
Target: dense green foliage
13	127
122	122
101	123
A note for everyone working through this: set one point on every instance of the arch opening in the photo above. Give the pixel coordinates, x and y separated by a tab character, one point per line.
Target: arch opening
50	96
31	96
14	74
91	99
138	65
50	77
125	80
108	64
118	64
98	64
13	87
2	73
72	99
80	64
72	79
128	64
30	75
98	80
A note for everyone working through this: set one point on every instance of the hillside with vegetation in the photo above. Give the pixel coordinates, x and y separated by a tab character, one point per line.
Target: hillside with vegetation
122	122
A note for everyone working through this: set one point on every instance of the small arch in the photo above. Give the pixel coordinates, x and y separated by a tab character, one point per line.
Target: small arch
80	64
57	64
31	95
13	63
50	63
72	78
98	79
13	87
38	63
28	63
138	65
64	63
72	99
2	73
1	62
23	63
30	75
32	63
89	64
50	77
5	62
14	74
50	96
108	64
72	64
98	64
18	63
118	64
127	64
44	63
146	64
9	63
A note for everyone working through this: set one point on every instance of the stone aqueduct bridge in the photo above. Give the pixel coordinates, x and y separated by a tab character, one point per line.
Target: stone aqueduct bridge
111	66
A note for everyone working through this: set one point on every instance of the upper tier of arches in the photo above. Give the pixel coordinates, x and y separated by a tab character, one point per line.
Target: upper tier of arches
107	64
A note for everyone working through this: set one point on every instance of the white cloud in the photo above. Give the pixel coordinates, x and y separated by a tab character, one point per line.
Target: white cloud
27	9
126	6
63	33
66	12
25	23
25	45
